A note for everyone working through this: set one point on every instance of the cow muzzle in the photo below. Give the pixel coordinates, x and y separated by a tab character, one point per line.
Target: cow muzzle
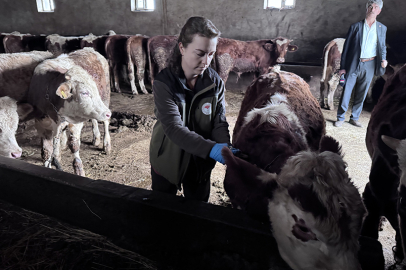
280	60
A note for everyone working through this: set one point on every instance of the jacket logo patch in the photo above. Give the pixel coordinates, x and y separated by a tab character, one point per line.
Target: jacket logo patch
206	108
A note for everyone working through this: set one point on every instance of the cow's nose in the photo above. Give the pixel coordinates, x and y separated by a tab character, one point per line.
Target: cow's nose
108	114
16	154
280	60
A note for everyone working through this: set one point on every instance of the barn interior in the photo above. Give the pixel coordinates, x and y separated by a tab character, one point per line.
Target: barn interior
215	237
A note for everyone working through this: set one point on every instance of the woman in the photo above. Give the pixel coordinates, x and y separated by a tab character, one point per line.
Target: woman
189	104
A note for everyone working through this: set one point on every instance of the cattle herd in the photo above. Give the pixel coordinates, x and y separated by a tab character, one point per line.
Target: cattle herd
300	184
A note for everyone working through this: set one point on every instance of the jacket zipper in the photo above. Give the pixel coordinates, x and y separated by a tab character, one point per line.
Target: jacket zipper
195	96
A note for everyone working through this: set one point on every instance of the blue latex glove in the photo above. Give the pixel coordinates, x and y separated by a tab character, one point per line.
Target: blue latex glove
215	152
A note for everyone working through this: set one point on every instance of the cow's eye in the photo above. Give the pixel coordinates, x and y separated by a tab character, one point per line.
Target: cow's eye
85	94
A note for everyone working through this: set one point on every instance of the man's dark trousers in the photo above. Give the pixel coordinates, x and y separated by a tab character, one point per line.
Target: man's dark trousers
358	81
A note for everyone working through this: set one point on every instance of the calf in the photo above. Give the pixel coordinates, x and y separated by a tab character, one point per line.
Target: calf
98	43
58	44
331	65
15	43
137	59
65	95
298	180
117	58
10	112
384	194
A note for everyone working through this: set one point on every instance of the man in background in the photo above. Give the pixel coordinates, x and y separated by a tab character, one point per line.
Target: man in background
363	56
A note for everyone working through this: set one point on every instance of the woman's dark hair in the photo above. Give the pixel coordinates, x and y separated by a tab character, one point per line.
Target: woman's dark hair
193	26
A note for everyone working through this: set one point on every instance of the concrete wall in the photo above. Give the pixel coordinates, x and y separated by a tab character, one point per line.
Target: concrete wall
311	24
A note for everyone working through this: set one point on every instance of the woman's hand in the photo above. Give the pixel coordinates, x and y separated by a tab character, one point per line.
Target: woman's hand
215	152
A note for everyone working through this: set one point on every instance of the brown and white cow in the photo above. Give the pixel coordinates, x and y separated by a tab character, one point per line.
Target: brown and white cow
137	60
58	44
250	56
15	43
98	43
296	178
331	65
385	194
231	55
66	95
117	57
10	113
98	68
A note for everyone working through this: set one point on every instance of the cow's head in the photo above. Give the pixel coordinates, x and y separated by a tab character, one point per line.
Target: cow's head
278	48
81	95
315	210
10	112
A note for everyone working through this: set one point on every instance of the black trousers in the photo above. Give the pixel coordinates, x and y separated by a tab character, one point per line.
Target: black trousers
192	189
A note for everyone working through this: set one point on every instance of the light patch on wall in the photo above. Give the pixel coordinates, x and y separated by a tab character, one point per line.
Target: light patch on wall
279	4
45	5
142	5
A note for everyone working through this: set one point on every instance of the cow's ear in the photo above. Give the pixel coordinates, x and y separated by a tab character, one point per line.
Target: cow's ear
269	47
328	143
292	48
23	110
391	142
248	187
64	91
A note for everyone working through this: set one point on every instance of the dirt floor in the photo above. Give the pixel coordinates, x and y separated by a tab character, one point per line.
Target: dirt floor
128	162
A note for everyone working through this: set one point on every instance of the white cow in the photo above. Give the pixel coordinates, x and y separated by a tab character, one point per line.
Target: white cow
10	112
66	95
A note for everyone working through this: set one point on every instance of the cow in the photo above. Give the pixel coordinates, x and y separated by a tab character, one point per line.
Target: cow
16	71
64	95
10	113
136	48
98	68
160	49
231	55
384	193
117	57
14	43
58	44
331	65
293	176
98	43
250	56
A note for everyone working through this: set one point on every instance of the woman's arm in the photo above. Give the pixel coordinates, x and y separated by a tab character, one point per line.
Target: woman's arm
168	114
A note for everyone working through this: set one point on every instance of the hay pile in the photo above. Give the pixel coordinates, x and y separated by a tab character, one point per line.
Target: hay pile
29	240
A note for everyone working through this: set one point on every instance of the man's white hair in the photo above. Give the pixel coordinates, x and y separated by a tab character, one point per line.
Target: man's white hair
378	2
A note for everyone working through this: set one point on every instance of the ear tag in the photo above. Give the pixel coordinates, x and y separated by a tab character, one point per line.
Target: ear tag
64	94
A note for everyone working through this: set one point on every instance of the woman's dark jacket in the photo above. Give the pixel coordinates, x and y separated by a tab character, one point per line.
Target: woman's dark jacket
189	123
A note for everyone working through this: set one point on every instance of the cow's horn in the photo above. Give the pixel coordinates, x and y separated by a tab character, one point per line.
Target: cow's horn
391	142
